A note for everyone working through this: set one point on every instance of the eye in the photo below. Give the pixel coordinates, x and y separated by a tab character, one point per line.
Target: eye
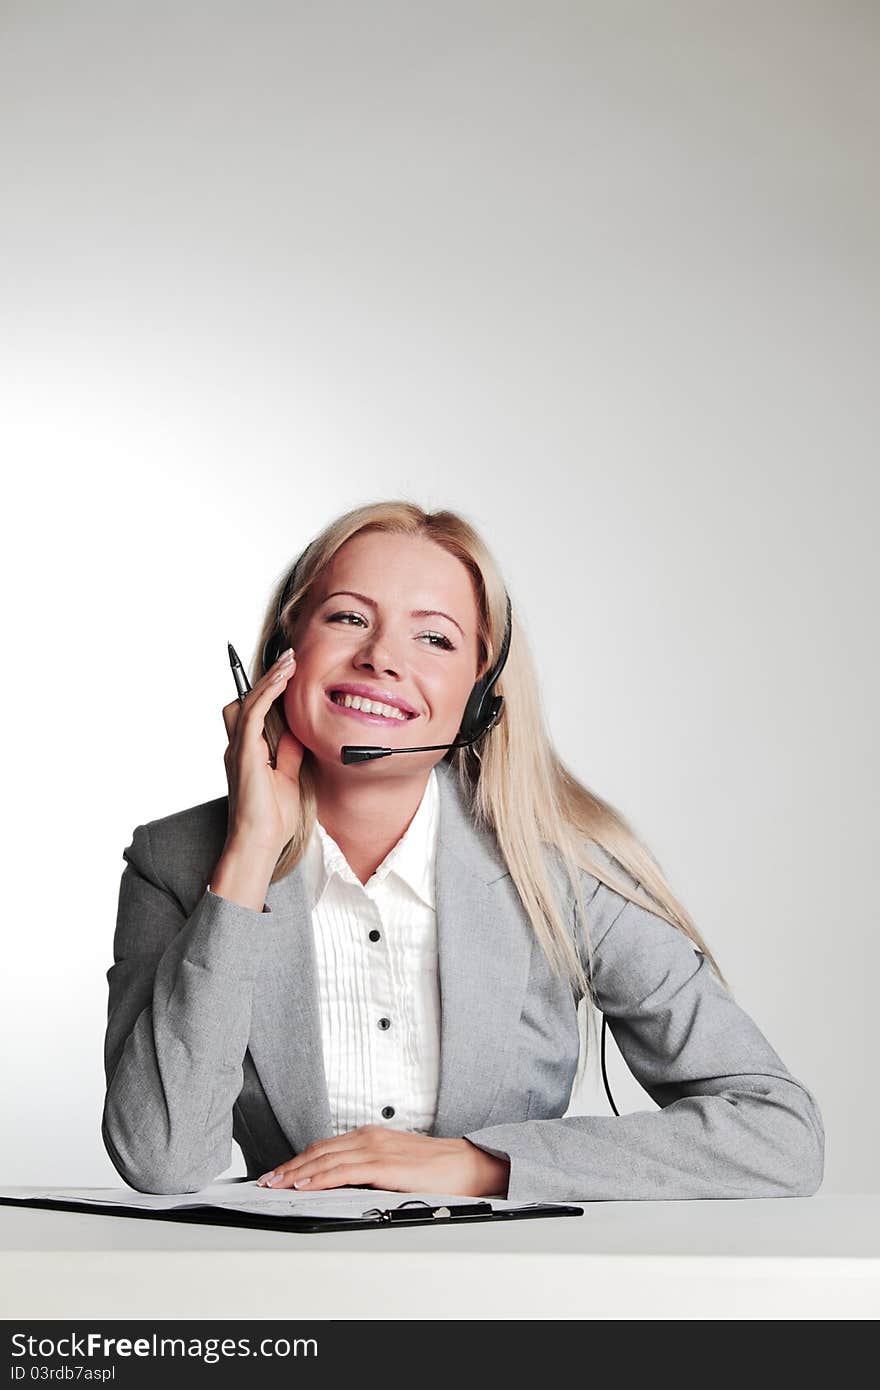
441	639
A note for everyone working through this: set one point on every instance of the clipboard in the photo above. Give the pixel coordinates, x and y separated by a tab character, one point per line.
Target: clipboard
412	1213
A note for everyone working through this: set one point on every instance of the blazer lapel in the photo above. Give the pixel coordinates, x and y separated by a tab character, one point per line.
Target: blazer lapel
484	944
484	940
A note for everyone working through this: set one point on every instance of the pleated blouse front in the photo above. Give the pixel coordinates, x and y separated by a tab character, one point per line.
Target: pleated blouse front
378	982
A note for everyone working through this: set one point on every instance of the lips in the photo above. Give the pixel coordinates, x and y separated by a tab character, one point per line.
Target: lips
367	692
385	720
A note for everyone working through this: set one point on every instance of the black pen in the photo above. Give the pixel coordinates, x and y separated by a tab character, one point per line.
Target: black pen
243	685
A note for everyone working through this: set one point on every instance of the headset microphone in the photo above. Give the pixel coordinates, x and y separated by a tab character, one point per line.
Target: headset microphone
351	753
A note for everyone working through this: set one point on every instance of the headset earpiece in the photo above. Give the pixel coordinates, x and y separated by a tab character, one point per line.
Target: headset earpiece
483	708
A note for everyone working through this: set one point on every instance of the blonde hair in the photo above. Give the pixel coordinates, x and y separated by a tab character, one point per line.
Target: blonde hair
513	782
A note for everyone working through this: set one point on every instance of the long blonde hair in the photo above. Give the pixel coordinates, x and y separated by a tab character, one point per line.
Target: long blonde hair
513	782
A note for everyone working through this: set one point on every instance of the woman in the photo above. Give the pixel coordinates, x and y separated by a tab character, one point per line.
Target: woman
368	973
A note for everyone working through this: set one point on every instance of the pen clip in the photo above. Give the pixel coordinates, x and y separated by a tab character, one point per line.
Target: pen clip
385	1215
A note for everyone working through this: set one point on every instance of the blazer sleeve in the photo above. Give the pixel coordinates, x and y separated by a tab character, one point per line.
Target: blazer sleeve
733	1121
178	1023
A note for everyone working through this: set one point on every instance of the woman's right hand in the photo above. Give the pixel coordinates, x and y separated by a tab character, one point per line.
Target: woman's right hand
263	801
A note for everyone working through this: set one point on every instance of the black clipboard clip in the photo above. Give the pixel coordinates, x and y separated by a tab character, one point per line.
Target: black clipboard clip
405	1211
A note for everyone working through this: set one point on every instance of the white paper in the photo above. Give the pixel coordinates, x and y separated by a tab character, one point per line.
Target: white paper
336	1203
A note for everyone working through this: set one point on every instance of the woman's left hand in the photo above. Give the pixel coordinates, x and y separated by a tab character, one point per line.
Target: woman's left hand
393	1160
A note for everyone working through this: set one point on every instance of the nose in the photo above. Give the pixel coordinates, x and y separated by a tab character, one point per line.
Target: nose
376	654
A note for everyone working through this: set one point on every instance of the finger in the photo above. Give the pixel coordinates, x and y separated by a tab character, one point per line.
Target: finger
271	683
232	711
272	680
255	705
350	1142
333	1173
351	1174
252	731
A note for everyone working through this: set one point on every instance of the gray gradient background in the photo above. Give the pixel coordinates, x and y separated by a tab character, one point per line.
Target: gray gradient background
602	276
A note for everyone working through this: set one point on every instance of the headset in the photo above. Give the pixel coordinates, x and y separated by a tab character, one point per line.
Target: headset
481	713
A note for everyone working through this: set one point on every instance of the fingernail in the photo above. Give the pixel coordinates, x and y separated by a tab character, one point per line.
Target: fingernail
261	1182
274	1180
303	1182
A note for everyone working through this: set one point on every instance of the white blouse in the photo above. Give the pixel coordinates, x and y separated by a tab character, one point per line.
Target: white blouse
378	983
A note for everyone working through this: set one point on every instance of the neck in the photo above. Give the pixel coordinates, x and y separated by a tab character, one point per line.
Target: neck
367	815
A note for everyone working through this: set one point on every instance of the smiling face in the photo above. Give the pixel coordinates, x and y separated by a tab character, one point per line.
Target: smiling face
386	649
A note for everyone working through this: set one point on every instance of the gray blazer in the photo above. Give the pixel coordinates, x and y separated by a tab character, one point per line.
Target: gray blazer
213	1034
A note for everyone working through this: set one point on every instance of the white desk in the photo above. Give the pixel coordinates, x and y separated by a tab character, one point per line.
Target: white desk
792	1257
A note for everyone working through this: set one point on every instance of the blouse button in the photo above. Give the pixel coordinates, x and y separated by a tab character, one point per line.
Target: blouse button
374	935
384	1023
387	1112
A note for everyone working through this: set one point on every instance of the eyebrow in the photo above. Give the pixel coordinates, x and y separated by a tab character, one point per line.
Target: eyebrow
416	612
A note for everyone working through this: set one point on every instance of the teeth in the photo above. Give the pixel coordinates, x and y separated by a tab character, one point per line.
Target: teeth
368	706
